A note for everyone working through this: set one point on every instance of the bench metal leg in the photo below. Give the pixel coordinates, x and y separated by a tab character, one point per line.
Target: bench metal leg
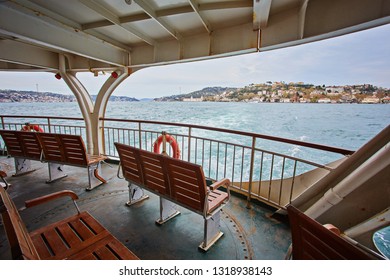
168	210
211	231
136	194
94	179
22	166
56	172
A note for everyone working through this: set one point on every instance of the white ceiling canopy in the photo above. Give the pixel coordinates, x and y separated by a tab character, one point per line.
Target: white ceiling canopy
141	33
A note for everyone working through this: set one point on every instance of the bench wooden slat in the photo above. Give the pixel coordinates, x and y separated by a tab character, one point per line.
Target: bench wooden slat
178	187
183	188
117	250
189	201
30	143
41	247
80	229
189	186
67	232
215	198
54	241
156	186
191	180
51	147
154	174
92	224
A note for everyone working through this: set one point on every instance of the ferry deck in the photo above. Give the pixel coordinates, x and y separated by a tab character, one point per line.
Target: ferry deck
122	37
248	233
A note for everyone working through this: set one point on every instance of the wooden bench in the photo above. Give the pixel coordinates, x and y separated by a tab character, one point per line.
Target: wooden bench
79	237
313	241
176	182
55	149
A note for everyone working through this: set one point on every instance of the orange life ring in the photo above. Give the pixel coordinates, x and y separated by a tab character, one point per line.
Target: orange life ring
171	140
30	127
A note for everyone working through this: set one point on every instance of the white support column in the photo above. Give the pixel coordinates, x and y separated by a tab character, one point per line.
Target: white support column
92	112
100	107
83	99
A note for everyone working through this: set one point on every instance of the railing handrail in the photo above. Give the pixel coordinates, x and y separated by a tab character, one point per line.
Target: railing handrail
243	133
42	117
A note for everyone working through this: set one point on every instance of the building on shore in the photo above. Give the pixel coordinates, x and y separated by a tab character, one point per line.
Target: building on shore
191	99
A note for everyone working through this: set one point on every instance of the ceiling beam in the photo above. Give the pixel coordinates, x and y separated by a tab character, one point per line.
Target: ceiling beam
261	10
195	5
186	8
47	32
27	56
70	23
111	17
226	5
152	13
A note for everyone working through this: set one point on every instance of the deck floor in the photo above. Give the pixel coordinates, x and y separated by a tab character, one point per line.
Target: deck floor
248	233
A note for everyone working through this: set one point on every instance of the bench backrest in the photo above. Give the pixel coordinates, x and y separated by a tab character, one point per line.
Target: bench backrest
187	183
311	240
63	148
130	162
144	168
175	179
20	242
22	144
153	169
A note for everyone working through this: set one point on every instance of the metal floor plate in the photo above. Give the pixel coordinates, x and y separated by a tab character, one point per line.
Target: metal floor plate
248	233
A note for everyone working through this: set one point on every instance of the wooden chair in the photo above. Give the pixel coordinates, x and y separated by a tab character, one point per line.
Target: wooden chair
313	241
145	169
132	172
78	237
176	182
65	149
23	146
188	188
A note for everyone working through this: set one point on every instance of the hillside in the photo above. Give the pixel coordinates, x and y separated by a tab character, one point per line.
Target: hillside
33	96
206	92
288	92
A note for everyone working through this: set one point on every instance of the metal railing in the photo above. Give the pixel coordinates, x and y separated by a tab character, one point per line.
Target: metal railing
267	175
62	125
259	166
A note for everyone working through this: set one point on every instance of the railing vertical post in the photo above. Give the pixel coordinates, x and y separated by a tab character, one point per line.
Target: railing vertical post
101	127
139	135
49	125
189	143
2	122
248	204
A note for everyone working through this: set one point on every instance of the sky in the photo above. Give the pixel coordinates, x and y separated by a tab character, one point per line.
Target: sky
358	58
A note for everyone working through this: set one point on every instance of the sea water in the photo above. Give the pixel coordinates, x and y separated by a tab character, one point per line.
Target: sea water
347	126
